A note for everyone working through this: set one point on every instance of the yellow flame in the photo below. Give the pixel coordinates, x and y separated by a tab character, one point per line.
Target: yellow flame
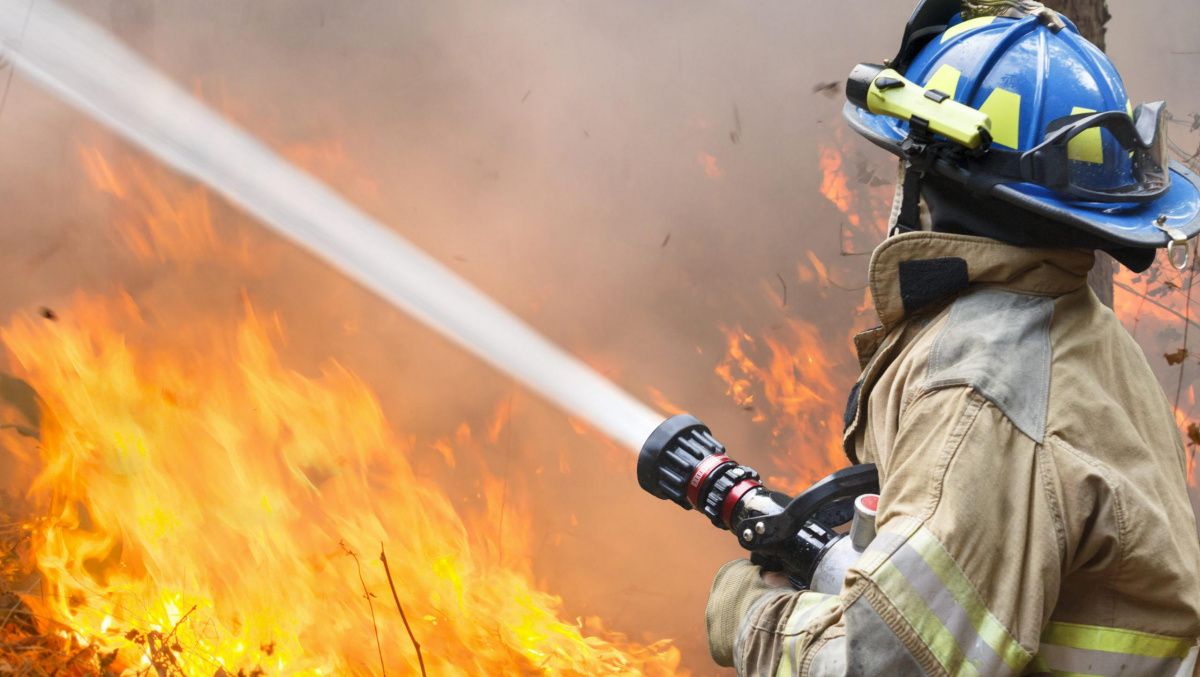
201	500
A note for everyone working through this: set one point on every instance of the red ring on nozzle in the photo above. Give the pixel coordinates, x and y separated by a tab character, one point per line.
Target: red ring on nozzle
703	470
734	497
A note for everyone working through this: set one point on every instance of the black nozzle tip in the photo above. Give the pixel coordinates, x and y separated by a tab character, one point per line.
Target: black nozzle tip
649	459
858	85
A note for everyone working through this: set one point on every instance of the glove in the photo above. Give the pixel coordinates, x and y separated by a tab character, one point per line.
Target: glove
739	584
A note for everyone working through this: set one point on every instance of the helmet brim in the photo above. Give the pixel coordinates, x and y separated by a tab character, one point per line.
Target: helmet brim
1134	225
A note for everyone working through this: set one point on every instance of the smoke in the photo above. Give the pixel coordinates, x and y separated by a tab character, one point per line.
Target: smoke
625	176
88	68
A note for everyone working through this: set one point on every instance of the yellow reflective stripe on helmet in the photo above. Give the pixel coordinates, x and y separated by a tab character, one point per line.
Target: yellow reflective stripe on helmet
809	606
966	26
945	80
1004	109
1089	145
933	594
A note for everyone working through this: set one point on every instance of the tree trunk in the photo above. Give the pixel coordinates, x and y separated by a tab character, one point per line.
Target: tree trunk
1091	16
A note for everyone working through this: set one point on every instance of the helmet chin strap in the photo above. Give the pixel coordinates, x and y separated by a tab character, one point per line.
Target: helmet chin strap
907	214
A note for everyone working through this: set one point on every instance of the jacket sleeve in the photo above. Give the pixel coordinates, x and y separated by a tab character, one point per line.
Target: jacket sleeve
959	580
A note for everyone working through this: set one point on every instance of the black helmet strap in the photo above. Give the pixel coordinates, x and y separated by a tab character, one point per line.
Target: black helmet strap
921	151
928	20
909	218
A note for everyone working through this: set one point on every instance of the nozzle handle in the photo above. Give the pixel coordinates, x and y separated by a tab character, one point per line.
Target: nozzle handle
846	484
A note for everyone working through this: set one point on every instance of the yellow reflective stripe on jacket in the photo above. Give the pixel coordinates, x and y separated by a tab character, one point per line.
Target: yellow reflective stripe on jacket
933	594
1115	640
1072	649
809	606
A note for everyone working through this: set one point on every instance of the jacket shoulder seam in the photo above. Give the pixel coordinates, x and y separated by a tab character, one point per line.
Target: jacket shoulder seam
1048	470
962	425
1109	476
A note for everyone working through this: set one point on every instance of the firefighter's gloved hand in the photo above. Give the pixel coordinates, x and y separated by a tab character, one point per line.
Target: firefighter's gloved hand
739	584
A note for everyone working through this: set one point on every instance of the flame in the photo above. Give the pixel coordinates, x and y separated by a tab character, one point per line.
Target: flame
866	208
834	185
663	404
207	509
789	382
709	164
155	226
1154	307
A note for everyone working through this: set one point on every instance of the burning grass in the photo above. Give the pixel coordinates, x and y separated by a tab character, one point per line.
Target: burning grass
193	502
200	499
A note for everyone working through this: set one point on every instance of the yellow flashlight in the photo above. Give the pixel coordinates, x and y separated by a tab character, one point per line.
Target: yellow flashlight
884	91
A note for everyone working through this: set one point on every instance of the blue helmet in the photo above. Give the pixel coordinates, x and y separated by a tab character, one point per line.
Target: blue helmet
1065	143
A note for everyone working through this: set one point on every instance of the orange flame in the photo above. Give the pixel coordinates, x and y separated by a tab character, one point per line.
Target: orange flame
196	487
709	163
153	225
834	185
868	208
1154	307
801	398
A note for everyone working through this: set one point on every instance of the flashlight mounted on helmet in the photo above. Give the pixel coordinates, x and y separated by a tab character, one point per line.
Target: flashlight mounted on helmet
884	91
803	537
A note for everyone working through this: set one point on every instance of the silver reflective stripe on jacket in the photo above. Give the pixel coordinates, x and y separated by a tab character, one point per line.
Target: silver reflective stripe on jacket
923	582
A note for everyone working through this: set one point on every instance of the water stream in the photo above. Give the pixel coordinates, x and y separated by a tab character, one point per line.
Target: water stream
87	67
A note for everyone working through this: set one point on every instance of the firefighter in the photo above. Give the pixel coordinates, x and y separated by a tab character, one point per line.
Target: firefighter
1034	514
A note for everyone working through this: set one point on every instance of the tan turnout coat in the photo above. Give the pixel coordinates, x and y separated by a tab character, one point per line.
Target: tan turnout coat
1034	516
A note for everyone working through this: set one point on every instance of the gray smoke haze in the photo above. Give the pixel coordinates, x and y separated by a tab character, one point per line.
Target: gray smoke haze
546	151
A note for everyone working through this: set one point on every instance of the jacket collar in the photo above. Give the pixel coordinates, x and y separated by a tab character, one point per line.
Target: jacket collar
914	270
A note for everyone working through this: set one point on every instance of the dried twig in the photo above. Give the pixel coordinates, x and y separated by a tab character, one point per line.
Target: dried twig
416	645
175	629
18	605
1161	306
784	285
370	604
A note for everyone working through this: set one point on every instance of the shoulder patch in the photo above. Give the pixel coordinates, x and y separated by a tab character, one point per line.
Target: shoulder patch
998	342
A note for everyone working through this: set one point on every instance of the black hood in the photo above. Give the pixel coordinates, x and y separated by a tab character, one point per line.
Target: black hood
956	210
